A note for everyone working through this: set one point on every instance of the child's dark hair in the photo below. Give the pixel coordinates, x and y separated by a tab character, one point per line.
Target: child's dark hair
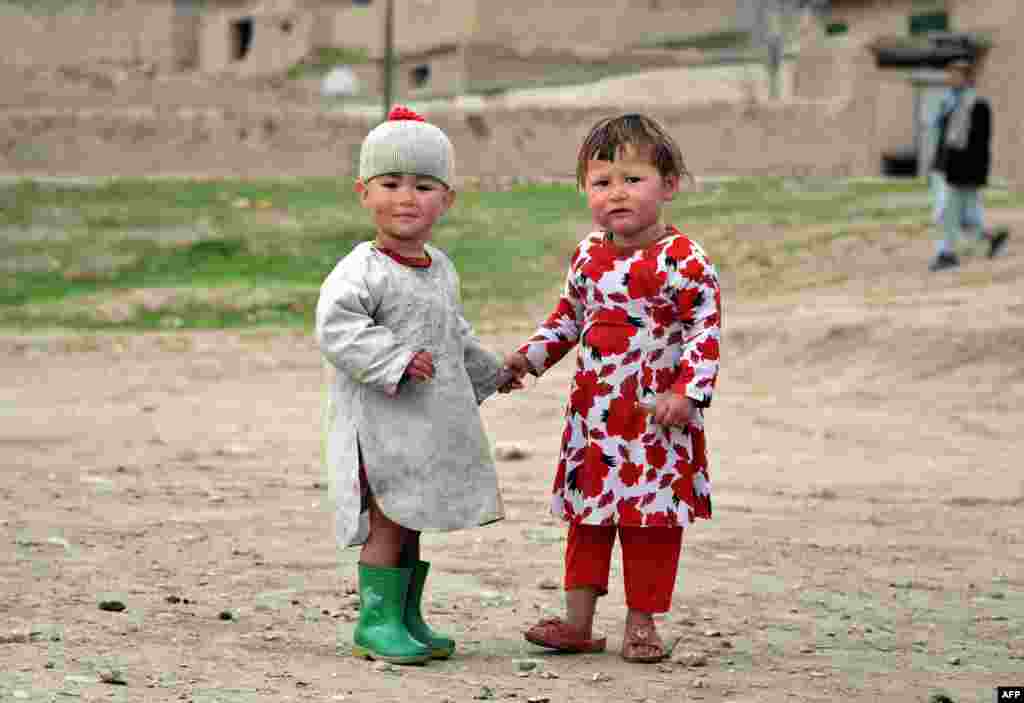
611	135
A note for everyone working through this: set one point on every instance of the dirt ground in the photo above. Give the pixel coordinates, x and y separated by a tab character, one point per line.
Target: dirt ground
867	544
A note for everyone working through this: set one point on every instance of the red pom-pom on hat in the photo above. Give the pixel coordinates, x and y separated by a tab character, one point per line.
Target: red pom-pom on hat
401	112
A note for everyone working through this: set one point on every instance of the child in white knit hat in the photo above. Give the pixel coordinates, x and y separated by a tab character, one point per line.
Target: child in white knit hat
406	449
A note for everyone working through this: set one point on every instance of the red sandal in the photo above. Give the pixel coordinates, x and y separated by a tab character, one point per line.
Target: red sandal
643	645
555	633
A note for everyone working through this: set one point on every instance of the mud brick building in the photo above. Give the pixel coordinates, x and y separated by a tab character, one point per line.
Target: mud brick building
240	36
844	110
830	64
268	36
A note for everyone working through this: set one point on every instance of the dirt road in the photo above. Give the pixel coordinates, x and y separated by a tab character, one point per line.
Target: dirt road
867	544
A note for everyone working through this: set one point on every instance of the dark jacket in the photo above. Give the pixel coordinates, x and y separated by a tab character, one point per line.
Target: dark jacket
968	168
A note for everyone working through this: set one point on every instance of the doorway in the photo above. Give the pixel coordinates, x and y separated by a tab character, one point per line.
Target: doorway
241	38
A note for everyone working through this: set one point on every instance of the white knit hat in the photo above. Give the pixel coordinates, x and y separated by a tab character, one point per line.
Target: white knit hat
406	143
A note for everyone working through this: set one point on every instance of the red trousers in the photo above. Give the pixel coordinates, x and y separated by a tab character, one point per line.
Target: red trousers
650	559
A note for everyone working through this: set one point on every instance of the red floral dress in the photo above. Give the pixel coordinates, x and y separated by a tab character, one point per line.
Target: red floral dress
647	322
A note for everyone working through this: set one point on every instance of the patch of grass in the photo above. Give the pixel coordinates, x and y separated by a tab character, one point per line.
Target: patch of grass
285	309
566	75
319	61
708	41
175	253
73	254
799	202
48	7
781	235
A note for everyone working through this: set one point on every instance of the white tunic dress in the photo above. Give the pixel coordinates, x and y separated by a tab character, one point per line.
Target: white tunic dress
428	461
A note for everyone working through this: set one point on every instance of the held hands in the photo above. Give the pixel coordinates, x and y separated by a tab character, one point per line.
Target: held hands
516	367
421	368
670	410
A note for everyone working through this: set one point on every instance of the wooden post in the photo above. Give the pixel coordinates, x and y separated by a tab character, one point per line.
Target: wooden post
389	55
776	47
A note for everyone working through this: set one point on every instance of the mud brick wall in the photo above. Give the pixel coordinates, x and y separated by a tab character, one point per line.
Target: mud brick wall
419	26
497	64
202	141
102	32
867	19
523	23
783	139
803	138
620	23
838	67
281	35
453	69
447	68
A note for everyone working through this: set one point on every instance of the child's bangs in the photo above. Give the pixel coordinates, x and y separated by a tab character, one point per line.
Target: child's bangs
610	138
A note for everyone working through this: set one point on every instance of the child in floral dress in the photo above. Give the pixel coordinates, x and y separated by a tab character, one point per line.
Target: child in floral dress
643	303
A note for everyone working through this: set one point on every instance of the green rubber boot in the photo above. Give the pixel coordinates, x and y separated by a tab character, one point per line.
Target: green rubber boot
381	633
441	647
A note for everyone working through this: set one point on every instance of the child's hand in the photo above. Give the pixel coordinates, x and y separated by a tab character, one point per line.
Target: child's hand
516	366
509	381
421	368
672	410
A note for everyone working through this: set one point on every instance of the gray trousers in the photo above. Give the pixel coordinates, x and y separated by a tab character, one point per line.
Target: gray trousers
957	209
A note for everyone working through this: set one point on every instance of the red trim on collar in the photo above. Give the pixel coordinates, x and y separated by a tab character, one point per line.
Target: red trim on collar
416	262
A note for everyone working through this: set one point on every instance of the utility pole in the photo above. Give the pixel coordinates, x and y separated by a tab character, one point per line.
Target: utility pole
472	30
776	49
775	23
769	41
389	55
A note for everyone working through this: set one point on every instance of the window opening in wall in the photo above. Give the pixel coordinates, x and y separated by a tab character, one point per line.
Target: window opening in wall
420	75
833	29
478	126
361	3
925	22
188	8
241	38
